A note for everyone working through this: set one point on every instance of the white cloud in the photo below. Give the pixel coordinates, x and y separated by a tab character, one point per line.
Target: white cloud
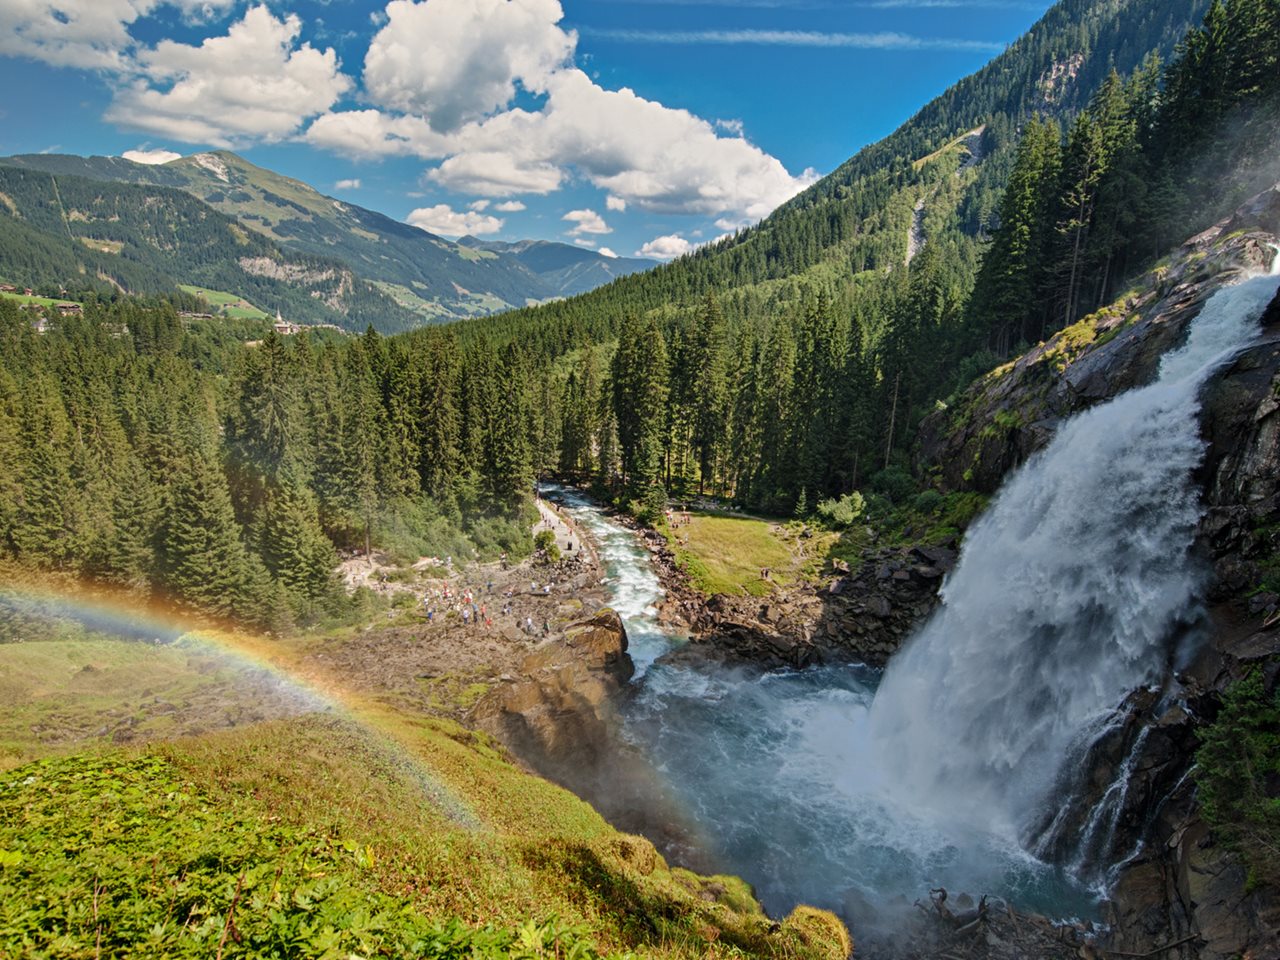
352	184
444	220
886	40
584	242
731	225
371	133
89	34
451	62
479	206
151	157
665	248
586	222
606	252
497	174
255	83
734	128
510	206
447	96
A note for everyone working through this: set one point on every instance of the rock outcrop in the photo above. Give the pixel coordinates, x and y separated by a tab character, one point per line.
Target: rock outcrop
559	709
558	716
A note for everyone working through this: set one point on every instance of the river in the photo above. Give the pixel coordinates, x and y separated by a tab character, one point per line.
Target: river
776	771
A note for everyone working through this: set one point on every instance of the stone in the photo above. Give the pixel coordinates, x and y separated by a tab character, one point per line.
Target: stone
879	607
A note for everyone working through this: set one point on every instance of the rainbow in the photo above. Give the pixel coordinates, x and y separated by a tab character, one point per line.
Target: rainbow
124	616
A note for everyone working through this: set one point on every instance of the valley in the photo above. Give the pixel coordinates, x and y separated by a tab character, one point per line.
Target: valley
895	576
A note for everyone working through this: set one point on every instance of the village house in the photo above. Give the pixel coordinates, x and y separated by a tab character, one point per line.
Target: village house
285	328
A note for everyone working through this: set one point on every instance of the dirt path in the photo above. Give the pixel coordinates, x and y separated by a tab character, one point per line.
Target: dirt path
569	538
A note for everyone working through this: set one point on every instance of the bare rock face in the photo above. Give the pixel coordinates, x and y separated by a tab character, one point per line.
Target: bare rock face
559	717
559	709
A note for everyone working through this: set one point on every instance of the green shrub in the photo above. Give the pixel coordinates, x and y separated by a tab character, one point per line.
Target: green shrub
545	542
895	483
1237	767
927	502
842	513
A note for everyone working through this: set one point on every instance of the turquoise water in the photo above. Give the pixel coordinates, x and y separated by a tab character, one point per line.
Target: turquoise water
777	772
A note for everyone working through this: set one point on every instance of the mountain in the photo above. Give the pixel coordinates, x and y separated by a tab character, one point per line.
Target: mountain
938	178
567	269
425	274
86	235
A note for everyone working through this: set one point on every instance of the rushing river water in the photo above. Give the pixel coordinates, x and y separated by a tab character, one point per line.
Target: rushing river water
777	772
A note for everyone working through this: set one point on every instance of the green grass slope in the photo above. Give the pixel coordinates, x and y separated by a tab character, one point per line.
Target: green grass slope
300	831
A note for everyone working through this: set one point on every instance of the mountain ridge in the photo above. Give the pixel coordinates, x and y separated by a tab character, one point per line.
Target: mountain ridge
425	274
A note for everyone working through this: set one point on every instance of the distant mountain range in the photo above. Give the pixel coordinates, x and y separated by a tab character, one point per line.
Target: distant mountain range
566	269
377	270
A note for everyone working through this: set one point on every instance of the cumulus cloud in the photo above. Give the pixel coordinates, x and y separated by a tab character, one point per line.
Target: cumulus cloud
450	62
606	252
586	222
445	76
352	184
495	173
254	83
151	157
90	34
665	248
584	242
444	220
510	206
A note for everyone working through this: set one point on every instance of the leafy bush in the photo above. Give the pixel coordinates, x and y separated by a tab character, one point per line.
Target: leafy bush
545	542
895	483
119	857
651	505
1237	767
927	502
842	513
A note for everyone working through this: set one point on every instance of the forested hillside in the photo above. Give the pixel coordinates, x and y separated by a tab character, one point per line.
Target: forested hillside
230	477
794	362
69	233
140	454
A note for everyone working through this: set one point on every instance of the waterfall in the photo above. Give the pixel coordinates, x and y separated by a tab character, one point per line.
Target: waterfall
1070	593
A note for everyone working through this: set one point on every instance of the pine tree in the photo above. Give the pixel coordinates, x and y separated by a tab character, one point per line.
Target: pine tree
710	391
294	547
205	562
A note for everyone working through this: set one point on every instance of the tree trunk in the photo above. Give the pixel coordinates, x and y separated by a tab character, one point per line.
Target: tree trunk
893	419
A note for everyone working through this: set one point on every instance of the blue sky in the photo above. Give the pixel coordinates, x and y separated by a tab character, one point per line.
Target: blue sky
629	126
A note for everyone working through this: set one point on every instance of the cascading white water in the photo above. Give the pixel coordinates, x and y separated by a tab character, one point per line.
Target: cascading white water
1068	596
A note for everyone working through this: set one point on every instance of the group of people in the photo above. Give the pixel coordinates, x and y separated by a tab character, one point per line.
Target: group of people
467	603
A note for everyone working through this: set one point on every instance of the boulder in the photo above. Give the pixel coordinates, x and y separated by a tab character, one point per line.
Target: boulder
560	706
